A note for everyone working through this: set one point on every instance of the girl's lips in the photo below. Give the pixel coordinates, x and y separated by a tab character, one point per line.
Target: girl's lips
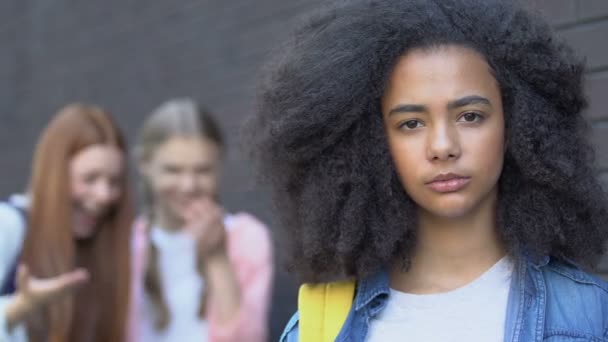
449	185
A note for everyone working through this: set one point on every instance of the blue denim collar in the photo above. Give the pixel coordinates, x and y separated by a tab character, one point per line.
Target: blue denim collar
527	282
527	300
372	288
536	262
377	286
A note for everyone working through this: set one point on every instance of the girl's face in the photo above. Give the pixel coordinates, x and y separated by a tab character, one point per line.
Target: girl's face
181	170
444	120
96	182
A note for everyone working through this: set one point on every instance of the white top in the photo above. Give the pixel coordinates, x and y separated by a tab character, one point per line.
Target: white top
474	312
182	287
12	234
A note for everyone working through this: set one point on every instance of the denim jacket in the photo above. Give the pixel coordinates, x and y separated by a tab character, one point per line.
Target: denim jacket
549	300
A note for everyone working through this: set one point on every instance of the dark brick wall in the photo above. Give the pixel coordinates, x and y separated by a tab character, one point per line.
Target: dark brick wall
128	55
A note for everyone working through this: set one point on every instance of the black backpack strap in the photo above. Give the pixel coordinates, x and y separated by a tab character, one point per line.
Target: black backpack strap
10	283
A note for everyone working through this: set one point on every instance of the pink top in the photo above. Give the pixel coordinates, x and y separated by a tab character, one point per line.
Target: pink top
250	253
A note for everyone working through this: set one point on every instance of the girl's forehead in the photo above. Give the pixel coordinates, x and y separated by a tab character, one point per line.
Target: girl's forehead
450	72
186	148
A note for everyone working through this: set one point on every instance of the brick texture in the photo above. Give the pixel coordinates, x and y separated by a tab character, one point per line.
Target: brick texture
592	9
588	40
557	12
596	86
128	55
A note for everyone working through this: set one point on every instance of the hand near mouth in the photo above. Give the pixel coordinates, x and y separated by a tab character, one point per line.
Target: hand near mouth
204	219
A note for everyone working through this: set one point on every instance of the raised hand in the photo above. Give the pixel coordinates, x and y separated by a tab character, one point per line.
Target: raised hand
33	293
204	219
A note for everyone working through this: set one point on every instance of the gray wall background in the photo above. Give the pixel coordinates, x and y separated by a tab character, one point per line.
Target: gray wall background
129	55
584	24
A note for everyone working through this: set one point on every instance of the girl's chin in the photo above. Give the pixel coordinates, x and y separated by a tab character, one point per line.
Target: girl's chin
84	232
177	209
85	225
449	211
175	214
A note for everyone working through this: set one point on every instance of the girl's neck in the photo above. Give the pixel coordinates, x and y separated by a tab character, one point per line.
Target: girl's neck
167	221
451	252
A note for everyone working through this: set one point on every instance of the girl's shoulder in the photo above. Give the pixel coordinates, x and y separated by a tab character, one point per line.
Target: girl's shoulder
12	234
12	222
249	238
245	226
563	275
575	300
291	333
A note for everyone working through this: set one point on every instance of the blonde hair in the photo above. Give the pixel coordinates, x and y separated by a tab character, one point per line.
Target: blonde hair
177	117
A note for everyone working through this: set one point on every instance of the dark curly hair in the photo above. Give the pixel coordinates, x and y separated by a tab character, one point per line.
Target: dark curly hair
318	137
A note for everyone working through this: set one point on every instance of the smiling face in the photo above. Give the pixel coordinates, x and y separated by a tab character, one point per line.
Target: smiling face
96	183
183	169
444	120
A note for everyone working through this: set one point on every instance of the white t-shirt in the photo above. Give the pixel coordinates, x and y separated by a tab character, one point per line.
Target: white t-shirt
474	312
182	287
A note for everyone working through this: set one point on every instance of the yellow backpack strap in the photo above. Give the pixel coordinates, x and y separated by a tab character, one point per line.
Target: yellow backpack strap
323	310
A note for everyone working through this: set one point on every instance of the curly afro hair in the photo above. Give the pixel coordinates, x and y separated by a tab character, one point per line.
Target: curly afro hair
318	137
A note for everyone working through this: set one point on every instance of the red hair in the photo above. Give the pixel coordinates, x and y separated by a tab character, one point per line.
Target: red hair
98	310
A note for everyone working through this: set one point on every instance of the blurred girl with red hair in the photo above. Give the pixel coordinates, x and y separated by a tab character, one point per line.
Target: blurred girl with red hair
64	246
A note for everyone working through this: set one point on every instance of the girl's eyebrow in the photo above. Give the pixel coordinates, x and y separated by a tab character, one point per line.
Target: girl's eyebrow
461	102
469	100
408	108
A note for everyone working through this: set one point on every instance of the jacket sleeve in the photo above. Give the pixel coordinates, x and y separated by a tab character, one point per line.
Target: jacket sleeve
12	233
250	252
291	333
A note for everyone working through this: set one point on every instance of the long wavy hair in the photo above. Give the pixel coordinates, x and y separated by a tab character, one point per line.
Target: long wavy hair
98	310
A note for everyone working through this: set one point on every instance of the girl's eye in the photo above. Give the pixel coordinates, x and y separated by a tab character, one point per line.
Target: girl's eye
169	169
203	170
410	124
90	178
471	117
